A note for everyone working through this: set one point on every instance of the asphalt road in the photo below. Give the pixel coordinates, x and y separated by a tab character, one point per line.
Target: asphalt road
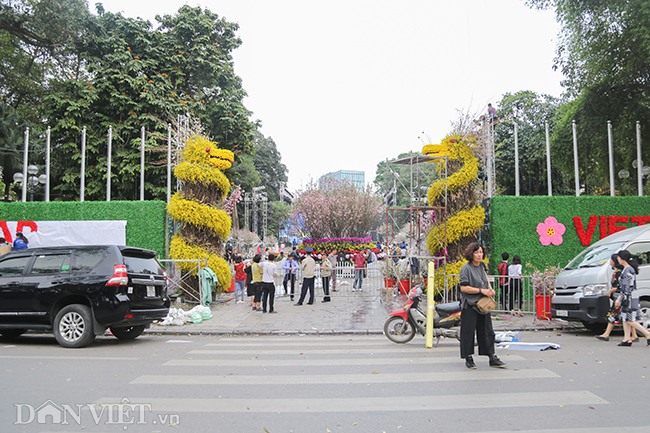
336	383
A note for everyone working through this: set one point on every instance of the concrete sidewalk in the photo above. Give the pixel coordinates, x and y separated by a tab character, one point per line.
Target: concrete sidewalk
352	313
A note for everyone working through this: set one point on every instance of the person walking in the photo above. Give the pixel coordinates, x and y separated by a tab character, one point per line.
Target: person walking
504	281
308	266
269	270
628	303
474	285
359	261
325	273
250	291
256	271
21	242
333	258
614	313
514	272
240	280
290	267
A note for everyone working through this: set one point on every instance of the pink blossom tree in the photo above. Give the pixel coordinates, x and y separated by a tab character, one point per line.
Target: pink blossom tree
335	209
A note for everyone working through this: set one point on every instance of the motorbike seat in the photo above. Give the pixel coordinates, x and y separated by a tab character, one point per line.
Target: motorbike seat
447	309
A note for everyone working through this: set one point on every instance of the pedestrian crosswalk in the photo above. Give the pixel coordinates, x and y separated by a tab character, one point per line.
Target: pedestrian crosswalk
289	377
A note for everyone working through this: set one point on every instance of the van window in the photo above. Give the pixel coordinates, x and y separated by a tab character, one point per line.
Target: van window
51	264
139	265
14	267
642	251
594	256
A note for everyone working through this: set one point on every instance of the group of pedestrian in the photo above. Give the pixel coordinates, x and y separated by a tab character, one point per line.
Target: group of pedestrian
510	284
256	277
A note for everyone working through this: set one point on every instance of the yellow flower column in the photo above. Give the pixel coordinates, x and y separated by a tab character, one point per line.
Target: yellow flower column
464	222
205	226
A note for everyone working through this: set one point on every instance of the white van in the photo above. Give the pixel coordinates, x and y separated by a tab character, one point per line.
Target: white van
580	293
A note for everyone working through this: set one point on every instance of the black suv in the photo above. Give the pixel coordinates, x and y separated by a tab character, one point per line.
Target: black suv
78	292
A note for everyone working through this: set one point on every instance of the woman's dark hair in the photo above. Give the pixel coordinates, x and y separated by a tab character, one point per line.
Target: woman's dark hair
516	260
617	265
238	259
630	259
257	258
471	249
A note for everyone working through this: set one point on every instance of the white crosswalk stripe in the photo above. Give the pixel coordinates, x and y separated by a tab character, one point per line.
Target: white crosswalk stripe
369	404
230	366
339	378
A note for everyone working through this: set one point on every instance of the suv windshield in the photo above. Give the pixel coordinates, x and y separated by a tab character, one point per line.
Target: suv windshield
594	256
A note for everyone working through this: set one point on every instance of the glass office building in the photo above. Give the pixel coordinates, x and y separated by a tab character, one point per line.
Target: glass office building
357	178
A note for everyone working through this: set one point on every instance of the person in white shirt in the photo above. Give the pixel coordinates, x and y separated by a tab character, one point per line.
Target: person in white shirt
514	272
269	269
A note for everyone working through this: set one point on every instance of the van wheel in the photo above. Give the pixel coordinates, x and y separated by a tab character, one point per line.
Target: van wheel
73	326
644	314
12	333
127	332
596	327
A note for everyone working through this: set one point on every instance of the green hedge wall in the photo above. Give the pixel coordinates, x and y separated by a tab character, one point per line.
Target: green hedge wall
145	227
514	220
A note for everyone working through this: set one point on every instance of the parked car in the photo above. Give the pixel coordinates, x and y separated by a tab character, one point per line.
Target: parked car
78	292
580	292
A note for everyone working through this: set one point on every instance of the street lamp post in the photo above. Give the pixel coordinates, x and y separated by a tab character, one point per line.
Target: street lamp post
33	182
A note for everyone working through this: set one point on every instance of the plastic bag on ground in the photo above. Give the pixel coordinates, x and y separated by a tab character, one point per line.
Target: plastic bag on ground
176	317
204	312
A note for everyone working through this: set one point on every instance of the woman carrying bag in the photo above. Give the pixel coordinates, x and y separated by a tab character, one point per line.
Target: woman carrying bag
474	285
627	302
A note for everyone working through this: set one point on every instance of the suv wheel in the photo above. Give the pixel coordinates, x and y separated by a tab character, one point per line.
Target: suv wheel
644	314
73	326
12	333
127	332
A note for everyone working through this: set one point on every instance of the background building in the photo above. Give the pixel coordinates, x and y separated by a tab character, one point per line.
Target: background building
357	178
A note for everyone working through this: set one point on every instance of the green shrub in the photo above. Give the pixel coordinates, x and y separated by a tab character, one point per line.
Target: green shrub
514	220
145	227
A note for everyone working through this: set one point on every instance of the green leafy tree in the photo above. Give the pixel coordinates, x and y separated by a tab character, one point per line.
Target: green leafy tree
398	176
269	166
278	218
604	54
12	128
36	39
533	111
128	74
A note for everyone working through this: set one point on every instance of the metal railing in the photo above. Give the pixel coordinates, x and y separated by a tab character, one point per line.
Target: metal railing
518	294
176	279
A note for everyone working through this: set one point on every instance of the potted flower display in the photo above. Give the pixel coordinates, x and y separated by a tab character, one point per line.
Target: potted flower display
543	283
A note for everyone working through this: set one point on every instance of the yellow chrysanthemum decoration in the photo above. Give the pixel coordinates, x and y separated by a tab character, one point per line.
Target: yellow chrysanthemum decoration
181	250
456	148
205	152
463	223
197	214
458	226
205	226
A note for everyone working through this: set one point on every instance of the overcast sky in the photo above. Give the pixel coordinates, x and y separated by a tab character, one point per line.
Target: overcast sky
345	84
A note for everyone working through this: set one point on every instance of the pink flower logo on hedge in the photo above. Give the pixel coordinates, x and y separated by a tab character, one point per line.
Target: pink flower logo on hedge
550	231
